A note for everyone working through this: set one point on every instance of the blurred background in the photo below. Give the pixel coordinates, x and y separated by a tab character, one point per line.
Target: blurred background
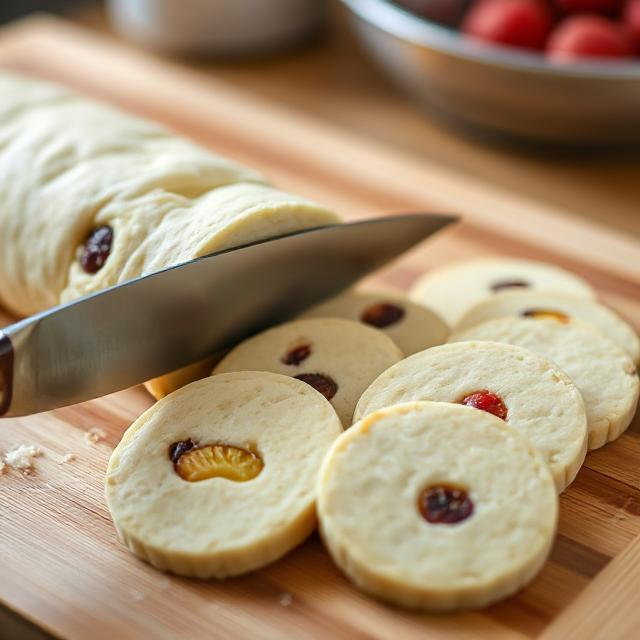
565	135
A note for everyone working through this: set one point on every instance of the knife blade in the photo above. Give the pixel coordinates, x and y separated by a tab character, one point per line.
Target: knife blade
149	326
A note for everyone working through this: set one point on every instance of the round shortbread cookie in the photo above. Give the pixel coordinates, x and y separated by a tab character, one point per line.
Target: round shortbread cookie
340	358
436	506
453	289
526	390
605	375
216	526
411	326
541	304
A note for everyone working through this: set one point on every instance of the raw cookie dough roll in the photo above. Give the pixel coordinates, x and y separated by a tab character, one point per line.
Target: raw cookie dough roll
219	478
453	289
411	326
556	306
436	506
605	375
63	159
339	358
158	230
514	384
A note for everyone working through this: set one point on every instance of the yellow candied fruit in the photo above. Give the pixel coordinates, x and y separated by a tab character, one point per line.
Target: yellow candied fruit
218	461
546	314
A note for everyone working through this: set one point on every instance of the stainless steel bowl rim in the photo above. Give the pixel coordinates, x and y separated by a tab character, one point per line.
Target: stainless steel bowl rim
400	22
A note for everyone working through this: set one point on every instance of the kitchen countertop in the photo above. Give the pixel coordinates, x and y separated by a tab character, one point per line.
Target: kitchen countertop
333	80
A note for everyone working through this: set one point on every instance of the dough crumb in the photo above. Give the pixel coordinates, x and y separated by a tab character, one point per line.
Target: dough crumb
136	595
22	457
68	457
286	599
94	435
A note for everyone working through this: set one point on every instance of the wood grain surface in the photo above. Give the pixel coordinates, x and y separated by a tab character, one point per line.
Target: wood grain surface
61	565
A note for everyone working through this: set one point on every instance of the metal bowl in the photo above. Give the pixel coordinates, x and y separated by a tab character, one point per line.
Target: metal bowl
497	91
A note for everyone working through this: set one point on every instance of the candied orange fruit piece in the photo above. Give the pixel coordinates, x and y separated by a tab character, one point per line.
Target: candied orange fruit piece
546	314
218	461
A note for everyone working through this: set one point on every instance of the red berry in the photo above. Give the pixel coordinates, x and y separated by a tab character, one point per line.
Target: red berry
631	19
588	36
518	23
588	6
487	401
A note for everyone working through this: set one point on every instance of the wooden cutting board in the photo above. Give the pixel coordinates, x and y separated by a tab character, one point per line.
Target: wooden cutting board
60	563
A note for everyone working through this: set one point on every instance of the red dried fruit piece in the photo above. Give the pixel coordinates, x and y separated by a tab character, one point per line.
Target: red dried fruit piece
177	449
325	385
296	355
445	504
382	314
518	23
486	401
509	284
96	249
588	36
546	314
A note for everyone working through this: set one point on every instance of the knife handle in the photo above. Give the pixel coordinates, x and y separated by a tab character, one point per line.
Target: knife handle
6	373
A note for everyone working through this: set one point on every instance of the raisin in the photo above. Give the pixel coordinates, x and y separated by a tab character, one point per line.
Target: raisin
96	249
296	355
445	504
325	385
177	449
382	314
509	284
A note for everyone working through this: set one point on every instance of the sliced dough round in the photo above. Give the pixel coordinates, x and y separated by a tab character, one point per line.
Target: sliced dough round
168	383
540	399
411	326
539	303
338	357
605	375
453	289
372	486
218	527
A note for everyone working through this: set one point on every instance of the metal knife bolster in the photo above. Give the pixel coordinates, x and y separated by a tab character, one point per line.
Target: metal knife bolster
6	373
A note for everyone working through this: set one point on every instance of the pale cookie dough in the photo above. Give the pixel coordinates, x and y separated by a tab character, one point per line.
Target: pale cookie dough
538	398
540	304
604	374
164	385
371	506
453	289
218	527
338	357
63	158
70	166
411	326
159	230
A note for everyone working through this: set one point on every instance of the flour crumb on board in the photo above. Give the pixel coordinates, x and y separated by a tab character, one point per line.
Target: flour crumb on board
286	599
94	435
69	456
22	458
137	596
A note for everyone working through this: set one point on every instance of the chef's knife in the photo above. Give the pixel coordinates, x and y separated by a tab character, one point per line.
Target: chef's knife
157	323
